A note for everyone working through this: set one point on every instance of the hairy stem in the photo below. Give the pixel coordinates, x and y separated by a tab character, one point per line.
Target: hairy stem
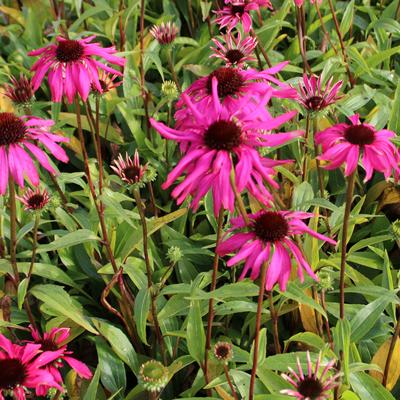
395	337
228	379
149	274
274	319
213	287
258	325
13	229
345	228
342	46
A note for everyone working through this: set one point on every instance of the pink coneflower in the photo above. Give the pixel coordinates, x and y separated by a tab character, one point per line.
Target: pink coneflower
53	342
343	143
233	85
18	134
315	98
72	67
310	386
129	170
270	239
238	11
165	33
218	140
34	200
236	51
19	90
22	367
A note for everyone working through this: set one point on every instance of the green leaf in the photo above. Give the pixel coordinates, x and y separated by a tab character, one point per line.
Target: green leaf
119	343
70	239
141	311
394	121
195	336
342	333
91	392
368	388
61	302
22	288
112	368
303	193
262	348
294	292
347	19
368	242
367	317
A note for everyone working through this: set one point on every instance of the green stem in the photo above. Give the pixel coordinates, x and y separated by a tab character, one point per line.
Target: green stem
13	230
393	342
305	149
213	287
345	228
149	274
258	326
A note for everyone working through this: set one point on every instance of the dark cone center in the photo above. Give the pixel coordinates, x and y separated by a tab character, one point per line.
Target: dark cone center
222	351
310	387
36	201
132	173
238	9
316	103
13	373
48	345
234	56
229	81
223	135
12	129
69	50
271	226
359	134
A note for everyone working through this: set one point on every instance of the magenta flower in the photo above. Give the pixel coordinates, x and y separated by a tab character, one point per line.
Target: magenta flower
216	141
18	134
107	82
238	11
236	88
343	143
34	200
72	67
313	97
236	51
22	367
269	238
165	33
309	385
53	342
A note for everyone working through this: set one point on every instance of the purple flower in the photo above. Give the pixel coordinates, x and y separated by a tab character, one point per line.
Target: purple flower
72	67
270	239
343	143
18	134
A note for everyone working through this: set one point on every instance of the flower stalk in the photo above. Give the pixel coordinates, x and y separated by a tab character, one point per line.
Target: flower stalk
213	287
345	228
261	293
13	230
149	274
395	337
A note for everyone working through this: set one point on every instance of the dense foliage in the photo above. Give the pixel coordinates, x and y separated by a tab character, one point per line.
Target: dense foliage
199	198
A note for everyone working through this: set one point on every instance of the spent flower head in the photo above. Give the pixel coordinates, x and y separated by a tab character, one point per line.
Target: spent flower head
153	376
223	351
